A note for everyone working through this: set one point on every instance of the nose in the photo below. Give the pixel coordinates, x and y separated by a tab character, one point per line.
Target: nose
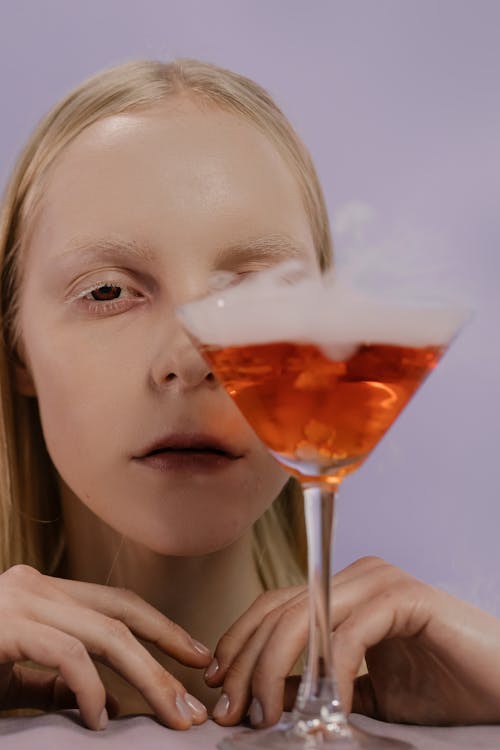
178	364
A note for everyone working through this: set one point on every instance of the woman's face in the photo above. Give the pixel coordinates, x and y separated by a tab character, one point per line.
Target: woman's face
139	210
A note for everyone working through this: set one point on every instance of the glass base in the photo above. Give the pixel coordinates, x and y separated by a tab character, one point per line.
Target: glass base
284	738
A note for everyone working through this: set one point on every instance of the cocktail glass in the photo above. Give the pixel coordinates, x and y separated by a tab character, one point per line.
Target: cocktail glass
320	371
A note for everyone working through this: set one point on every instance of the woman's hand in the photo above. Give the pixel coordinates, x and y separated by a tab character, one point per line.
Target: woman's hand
431	658
60	624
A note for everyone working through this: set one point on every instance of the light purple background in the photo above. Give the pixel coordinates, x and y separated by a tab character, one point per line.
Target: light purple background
398	101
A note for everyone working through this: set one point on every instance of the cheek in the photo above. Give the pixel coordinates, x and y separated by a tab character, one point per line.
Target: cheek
91	412
81	397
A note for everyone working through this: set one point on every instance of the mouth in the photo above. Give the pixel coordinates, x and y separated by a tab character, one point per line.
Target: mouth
193	453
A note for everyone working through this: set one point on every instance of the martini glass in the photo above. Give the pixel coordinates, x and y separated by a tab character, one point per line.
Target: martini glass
320	372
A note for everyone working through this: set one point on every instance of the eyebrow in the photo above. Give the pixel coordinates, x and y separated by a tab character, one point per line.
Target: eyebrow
274	247
271	247
107	248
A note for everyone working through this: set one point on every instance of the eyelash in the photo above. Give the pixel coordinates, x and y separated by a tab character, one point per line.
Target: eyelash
105	306
109	306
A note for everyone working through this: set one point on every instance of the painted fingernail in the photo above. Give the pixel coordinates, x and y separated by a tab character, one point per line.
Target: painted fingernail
103	719
195	705
256	712
200	648
221	707
212	670
183	708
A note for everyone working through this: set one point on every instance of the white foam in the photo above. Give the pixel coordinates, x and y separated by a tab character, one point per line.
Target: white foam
321	310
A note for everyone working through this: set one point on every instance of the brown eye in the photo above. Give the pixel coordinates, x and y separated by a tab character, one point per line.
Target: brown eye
106	293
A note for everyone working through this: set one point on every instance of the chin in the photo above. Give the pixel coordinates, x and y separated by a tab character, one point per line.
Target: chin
195	541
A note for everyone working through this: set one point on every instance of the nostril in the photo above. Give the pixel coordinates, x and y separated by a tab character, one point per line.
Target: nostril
171	376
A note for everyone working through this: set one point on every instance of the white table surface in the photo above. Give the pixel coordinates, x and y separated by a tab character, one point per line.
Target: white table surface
64	730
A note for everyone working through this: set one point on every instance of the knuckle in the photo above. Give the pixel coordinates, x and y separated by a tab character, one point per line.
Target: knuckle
75	650
293	613
272	598
226	648
171	627
400	589
22	575
129	602
127	595
235	673
128	598
116	629
11	599
393	579
285	619
265	597
371	561
165	682
168	631
346	631
271	618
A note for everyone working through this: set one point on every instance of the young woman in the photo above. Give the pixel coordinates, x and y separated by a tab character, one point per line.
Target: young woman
143	523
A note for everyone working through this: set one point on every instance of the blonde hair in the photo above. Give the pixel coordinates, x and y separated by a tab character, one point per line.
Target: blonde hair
30	524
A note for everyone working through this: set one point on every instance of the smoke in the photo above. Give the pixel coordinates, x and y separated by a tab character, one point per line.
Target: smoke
395	259
387	287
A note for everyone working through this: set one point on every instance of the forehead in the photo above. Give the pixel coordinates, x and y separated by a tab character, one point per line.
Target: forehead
173	169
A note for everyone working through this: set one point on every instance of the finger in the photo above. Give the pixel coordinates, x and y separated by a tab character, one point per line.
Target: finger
33	688
238	634
22	640
234	702
45	691
113	643
359	567
372	573
287	642
275	661
266	659
288	638
369	581
278	639
396	612
144	620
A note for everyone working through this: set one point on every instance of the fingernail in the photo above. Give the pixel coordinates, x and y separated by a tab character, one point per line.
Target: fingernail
221	707
199	647
212	669
195	705
256	712
183	708
103	719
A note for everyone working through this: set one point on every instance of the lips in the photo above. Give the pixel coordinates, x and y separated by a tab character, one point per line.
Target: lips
194	444
187	455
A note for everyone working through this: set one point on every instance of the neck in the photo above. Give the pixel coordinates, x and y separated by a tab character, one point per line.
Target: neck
204	595
188	590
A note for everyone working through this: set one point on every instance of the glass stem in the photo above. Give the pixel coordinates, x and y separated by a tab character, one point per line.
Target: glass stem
318	695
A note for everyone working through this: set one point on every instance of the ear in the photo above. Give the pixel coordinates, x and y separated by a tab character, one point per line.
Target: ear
23	380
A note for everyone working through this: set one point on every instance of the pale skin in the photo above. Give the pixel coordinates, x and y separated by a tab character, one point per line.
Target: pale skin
155	560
